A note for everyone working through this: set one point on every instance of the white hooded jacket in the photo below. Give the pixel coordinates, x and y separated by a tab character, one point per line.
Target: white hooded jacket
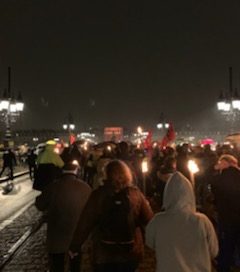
183	240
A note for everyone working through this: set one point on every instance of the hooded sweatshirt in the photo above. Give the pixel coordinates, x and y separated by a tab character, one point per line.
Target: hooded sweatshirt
48	156
183	240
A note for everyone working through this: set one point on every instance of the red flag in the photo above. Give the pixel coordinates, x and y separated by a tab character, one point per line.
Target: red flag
148	141
72	138
169	137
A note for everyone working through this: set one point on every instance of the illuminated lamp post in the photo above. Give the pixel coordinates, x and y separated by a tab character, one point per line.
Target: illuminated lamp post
69	126
228	103
162	125
10	109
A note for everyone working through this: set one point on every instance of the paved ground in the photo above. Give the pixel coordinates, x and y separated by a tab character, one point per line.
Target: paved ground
32	255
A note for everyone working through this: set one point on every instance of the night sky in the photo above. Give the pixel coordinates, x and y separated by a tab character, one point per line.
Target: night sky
119	63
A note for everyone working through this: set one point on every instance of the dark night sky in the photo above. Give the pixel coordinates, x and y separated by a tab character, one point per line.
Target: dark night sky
119	62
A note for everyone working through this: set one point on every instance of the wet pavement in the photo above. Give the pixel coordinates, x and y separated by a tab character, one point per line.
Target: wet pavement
27	227
32	256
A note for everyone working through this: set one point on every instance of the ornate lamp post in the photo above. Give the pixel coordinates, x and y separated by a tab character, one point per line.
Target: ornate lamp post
162	124
229	102
10	109
69	125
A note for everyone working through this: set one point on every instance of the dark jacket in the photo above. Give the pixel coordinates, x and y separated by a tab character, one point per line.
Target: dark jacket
64	201
9	159
91	219
226	191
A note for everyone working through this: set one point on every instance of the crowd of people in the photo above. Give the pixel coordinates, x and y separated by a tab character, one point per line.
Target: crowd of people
100	193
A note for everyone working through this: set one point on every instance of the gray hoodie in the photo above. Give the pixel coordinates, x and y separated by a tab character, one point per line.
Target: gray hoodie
183	240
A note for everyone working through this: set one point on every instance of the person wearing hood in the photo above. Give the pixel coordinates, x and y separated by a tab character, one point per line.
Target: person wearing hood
49	165
183	239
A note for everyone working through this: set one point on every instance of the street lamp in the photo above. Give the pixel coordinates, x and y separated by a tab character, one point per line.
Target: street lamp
69	126
10	108
162	124
229	102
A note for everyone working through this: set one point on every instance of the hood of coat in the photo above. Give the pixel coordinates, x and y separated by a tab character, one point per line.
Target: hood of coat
178	194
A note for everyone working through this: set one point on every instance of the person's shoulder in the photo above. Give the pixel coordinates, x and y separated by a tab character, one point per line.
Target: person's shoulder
133	188
83	184
230	172
202	218
159	216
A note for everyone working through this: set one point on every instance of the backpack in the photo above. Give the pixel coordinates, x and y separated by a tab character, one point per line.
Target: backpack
118	226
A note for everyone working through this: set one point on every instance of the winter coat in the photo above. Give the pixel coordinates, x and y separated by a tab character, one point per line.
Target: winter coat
64	201
91	219
226	191
9	159
183	240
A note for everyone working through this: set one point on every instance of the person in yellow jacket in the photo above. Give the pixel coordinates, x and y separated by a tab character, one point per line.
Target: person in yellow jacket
49	165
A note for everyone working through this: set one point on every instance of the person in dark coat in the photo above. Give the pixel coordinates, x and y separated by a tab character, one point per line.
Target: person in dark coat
63	200
31	160
9	161
226	191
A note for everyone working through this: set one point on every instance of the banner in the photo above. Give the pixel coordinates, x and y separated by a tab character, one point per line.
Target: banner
169	137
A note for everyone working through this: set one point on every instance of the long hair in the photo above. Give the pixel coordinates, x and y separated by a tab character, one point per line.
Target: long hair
119	174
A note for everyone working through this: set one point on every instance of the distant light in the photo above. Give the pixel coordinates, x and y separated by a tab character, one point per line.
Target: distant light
160	125
72	126
227	107
236	104
65	126
139	130
155	145
13	107
166	125
5	104
221	105
19	106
